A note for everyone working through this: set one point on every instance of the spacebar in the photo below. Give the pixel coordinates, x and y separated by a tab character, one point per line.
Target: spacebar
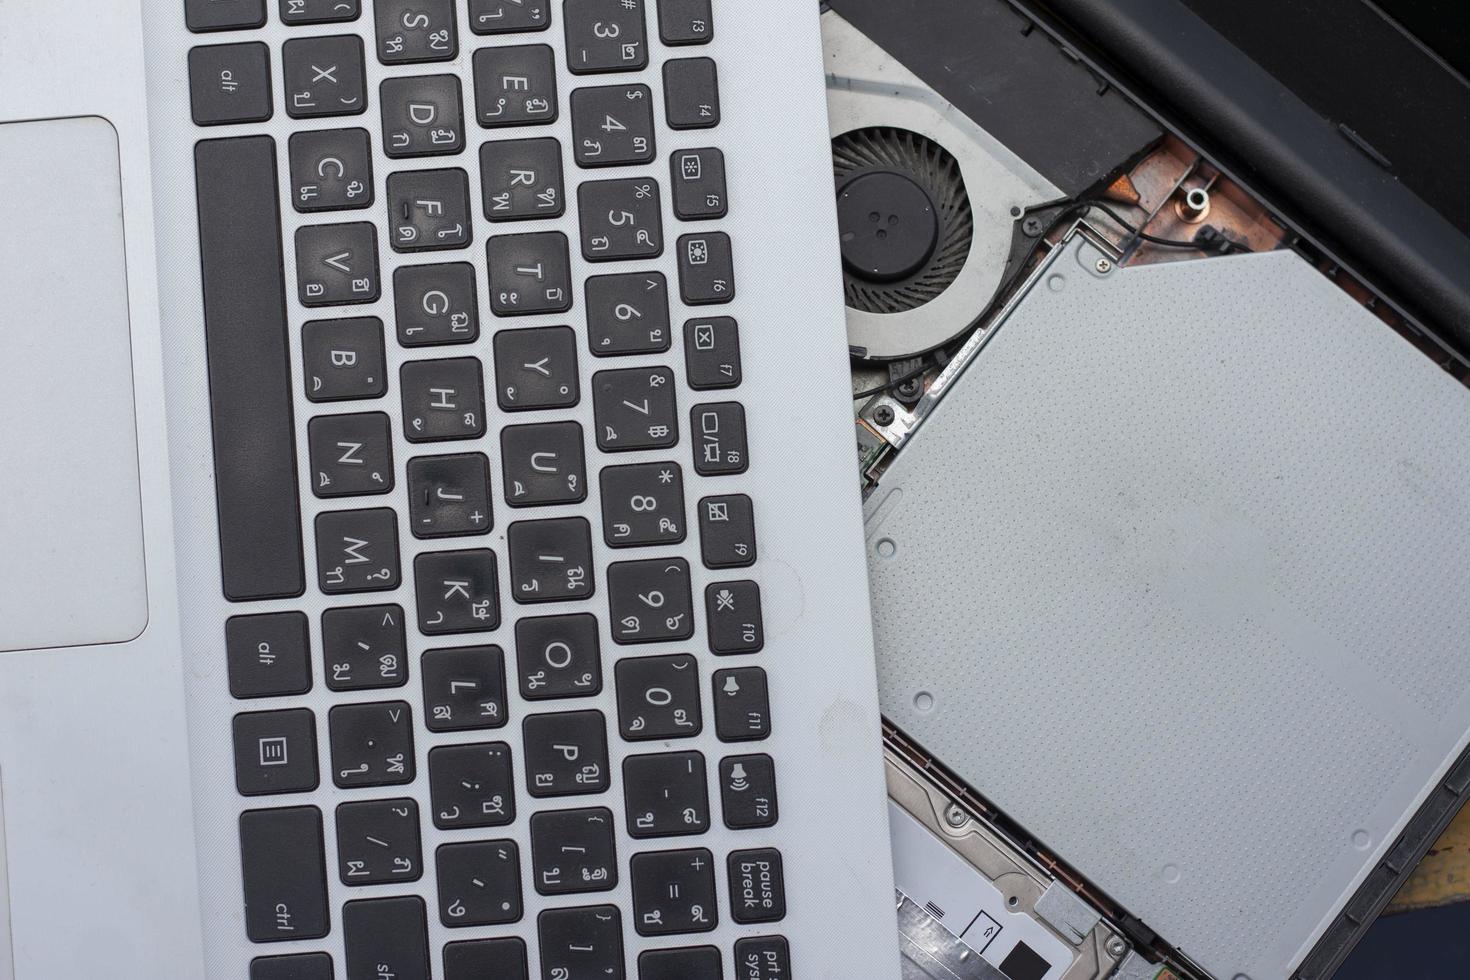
249	368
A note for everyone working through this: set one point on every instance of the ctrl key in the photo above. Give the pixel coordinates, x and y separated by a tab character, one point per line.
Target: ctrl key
283	863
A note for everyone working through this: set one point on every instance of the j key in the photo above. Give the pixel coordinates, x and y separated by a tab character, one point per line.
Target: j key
634	409
364	647
727	531
476	959
543	464
386	937
449	495
605	35
733	612
529	273
357	550
612	125
372	744
378	841
457	591
566	754
472	785
757	886
285	871
297	966
706	268
762	958
422	116
436	304
268	654
748	791
275	752
350	454
515	86
719	438
674	892
558	657
442	399
712	353
685	21
658	697
687	963
479	883
536	368
642	504
691	93
665	794
620	219
550	561
649	600
521	179
464	688
628	313
581	943
317	11
415	30
324	76
337	264
223	15
428	210
509	16
331	170
698	180
230	83
344	359
742	705
572	851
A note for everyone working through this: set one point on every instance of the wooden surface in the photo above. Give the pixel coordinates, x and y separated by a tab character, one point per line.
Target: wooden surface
1444	875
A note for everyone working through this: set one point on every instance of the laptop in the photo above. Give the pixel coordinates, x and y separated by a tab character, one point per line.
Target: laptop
430	546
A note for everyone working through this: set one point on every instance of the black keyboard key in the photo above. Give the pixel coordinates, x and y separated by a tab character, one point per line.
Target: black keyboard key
319	11
605	35
378	842
412	31
674	892
357	550
719	438
269	655
472	785
581	943
449	495
748	791
727	531
642	504
364	647
706	268
337	264
429	210
283	861
742	704
442	399
612	125
757	886
386	937
536	368
476	959
558	656
521	179
712	353
698	178
324	76
223	15
685	21
566	754
515	86
422	115
457	591
372	744
350	454
733	612
275	752
230	83
436	304
529	273
763	958
635	409
691	93
331	170
550	561
665	794
658	697
464	688
628	313
620	219
509	17
297	966
543	464
479	883
649	601
685	963
249	369
344	359
572	851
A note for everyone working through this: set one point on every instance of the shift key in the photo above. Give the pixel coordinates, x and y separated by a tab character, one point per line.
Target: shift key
284	867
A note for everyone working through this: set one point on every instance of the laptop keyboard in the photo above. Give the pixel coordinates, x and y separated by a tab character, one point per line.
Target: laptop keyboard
468	523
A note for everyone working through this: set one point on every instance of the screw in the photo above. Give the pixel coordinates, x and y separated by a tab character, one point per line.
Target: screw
955	815
1032	226
1117	947
1104	266
883	415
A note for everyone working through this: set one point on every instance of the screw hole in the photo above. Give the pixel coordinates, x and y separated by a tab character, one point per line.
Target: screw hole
924	701
887	548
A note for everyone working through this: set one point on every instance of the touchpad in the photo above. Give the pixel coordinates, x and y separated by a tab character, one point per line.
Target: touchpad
71	526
